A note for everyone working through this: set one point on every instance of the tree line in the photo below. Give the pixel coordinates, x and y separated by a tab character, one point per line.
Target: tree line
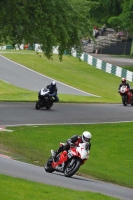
60	22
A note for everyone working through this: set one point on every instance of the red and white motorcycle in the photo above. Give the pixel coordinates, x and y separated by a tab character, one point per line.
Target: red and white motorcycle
126	95
68	162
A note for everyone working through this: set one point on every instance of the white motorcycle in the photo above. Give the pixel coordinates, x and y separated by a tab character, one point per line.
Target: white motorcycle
44	99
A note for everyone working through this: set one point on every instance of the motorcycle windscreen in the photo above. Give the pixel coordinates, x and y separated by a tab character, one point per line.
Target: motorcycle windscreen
83	152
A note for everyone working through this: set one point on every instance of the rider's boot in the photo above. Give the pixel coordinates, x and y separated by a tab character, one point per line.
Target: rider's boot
54	153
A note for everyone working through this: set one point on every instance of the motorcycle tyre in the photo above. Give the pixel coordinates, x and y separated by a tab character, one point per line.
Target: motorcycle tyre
48	166
131	104
74	170
48	107
38	104
124	100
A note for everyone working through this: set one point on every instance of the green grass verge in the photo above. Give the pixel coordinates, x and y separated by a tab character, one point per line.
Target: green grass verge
110	157
27	190
130	68
10	92
123	56
74	73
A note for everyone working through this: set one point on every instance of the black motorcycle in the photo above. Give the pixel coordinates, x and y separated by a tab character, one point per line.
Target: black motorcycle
44	99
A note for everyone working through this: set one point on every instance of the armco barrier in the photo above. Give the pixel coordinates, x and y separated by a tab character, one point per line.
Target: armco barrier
107	67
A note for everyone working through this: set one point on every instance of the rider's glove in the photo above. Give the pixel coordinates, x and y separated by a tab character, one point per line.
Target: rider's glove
70	143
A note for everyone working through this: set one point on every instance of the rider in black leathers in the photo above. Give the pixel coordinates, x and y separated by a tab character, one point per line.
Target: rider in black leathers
53	91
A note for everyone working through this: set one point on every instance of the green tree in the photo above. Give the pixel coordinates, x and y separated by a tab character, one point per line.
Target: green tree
104	9
127	15
48	22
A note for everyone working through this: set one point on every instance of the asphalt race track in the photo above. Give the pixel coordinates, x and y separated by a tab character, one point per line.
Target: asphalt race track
24	113
61	113
24	77
34	173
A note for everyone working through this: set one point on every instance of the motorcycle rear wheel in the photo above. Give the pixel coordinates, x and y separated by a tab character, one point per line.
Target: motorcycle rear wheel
48	107
48	166
70	170
124	100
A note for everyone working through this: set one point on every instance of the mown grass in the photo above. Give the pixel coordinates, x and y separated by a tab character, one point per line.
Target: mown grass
123	56
110	156
27	190
10	92
130	68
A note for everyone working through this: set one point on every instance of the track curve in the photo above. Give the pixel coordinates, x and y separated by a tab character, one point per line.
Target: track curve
63	113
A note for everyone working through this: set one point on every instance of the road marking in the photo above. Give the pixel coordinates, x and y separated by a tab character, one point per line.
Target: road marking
4	81
67	124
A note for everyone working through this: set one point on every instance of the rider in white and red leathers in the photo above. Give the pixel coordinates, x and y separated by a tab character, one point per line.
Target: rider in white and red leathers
74	141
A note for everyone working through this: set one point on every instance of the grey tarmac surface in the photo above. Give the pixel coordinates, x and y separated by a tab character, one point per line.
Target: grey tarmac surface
63	113
23	77
34	173
118	61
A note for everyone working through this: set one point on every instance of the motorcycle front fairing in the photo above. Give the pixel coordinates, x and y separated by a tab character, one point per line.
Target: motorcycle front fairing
81	152
43	92
63	157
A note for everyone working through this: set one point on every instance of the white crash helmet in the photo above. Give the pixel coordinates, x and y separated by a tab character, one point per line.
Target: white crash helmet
86	136
53	83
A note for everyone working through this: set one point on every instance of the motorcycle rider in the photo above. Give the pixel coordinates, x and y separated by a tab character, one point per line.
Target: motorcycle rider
53	91
74	141
124	82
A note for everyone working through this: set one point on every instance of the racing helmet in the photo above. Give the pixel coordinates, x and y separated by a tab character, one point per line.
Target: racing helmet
86	136
53	83
123	80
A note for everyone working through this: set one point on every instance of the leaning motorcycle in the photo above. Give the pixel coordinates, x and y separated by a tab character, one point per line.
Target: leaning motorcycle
126	95
68	162
44	99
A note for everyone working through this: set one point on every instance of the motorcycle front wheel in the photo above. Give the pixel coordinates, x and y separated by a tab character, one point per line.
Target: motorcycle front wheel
48	166
124	100
72	167
38	104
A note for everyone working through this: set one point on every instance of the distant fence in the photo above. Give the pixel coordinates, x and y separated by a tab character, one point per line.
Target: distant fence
91	60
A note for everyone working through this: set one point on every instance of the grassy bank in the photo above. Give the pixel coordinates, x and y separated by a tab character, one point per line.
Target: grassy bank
110	157
74	73
27	190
